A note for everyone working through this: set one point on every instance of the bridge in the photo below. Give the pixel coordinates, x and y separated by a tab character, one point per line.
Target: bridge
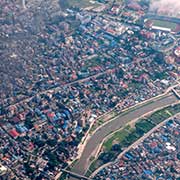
75	175
176	93
162	18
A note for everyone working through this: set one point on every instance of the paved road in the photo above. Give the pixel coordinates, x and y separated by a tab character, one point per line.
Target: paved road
96	139
55	89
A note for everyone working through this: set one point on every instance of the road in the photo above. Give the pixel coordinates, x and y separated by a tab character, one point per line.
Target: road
92	145
55	89
81	177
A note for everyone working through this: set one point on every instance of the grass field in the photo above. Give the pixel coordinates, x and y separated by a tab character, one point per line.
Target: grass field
117	137
164	24
77	3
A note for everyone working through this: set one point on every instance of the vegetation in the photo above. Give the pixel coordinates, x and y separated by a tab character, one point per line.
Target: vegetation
164	24
117	138
159	58
123	138
96	61
75	3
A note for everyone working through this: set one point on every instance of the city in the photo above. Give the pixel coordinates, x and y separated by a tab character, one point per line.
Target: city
74	73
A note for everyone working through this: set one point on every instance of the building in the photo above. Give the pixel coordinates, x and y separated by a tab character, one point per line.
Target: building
177	52
82	122
3	170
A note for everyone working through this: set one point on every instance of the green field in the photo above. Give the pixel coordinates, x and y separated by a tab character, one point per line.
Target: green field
117	137
77	3
95	61
164	24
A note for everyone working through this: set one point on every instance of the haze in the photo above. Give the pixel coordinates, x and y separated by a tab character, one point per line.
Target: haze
169	7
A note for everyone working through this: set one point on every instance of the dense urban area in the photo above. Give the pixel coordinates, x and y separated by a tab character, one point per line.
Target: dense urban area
64	65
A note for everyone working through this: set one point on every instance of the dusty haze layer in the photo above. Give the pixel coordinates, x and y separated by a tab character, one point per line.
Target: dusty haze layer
166	7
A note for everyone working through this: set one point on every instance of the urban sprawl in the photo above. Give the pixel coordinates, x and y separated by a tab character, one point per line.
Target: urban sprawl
62	69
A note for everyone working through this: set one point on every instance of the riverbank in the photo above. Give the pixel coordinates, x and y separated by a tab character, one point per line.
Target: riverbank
96	139
129	134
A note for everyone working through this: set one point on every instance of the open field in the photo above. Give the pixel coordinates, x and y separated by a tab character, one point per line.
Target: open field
164	24
116	138
77	3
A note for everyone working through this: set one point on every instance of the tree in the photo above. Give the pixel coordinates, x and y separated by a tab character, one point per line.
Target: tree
29	170
120	73
116	147
2	110
38	142
28	123
178	156
64	4
53	162
107	156
51	142
159	58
